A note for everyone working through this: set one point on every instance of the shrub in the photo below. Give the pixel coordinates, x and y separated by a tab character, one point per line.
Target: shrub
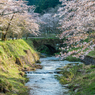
72	59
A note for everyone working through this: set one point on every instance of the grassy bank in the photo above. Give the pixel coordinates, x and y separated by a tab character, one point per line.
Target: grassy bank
79	77
72	59
15	57
92	54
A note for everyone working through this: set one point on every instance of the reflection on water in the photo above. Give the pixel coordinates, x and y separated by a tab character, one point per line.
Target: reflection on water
42	81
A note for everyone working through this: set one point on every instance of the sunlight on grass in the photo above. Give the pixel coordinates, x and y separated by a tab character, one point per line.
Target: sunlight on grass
12	78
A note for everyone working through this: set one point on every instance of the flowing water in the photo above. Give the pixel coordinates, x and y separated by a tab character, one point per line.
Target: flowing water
43	82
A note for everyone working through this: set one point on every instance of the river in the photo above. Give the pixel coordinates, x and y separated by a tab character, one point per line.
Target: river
43	82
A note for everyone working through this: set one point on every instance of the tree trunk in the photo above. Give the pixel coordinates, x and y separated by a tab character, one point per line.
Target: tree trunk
26	36
4	36
13	37
16	37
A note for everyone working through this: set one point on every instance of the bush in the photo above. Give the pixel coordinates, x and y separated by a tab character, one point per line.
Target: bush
92	66
72	59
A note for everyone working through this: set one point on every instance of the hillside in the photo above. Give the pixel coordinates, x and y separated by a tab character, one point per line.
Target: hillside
15	58
43	4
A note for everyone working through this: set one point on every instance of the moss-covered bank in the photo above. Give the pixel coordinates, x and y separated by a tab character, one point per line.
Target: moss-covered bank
79	77
15	57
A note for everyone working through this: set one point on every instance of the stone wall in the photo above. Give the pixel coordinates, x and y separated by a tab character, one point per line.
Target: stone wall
89	60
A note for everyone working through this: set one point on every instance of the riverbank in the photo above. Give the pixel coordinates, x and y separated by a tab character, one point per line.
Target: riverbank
16	57
79	78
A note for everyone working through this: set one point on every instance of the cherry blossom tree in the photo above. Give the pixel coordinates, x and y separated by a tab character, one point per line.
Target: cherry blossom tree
50	23
77	18
15	16
30	25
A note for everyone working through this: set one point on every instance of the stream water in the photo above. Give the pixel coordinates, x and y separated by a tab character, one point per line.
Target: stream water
43	82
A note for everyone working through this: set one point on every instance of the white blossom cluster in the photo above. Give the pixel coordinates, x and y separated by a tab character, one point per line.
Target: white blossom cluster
15	18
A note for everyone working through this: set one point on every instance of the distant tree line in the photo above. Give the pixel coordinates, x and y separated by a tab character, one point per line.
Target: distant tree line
42	5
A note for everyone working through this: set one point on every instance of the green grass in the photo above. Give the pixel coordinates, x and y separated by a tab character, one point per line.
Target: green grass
72	59
14	48
11	75
43	38
85	49
80	77
73	48
87	40
29	42
92	54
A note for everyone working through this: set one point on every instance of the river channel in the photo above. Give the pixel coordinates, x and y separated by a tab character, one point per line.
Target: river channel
43	82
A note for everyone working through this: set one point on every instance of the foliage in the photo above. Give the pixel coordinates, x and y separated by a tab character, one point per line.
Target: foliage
78	49
75	19
77	23
72	59
92	66
92	53
49	24
41	44
16	20
43	49
43	4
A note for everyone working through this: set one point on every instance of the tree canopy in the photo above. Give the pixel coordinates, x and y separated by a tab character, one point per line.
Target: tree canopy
43	4
15	19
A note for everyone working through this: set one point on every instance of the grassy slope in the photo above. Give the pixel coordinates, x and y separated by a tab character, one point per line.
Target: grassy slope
80	79
11	79
92	54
